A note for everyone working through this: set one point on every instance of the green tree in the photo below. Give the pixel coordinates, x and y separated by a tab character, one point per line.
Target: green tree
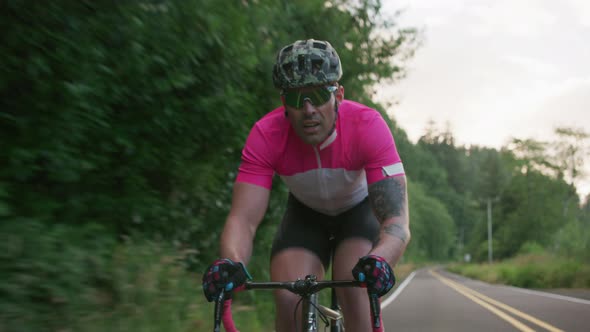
571	152
450	174
530	213
433	230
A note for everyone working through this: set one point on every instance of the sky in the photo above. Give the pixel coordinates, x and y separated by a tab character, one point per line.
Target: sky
495	69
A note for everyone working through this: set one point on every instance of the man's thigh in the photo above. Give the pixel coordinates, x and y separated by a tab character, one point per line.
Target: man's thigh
347	255
295	263
302	234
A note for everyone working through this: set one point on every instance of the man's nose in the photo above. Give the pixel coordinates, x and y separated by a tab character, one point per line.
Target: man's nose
308	107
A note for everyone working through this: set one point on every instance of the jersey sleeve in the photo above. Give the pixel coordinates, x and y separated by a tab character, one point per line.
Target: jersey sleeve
256	166
380	153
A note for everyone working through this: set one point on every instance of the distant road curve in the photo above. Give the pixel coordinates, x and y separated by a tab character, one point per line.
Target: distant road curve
436	300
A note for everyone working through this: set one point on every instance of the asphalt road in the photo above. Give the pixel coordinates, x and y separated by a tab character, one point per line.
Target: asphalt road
435	300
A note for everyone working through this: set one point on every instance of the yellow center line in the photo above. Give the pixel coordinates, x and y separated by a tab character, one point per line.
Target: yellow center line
499	313
462	289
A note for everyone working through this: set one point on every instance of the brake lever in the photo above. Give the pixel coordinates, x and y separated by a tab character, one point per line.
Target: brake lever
375	311
219	310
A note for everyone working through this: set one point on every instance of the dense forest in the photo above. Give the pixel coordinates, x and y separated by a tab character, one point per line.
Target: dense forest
122	125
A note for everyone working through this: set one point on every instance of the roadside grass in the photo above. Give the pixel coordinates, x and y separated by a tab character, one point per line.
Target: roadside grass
535	270
156	293
403	270
148	290
65	280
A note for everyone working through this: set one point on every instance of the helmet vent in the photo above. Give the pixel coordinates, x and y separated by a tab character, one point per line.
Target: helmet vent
288	69
316	65
321	46
301	61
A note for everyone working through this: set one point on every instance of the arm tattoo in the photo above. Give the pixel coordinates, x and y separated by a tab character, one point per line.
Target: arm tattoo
397	231
388	198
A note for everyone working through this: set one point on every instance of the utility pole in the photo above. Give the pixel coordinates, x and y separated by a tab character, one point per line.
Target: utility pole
490	247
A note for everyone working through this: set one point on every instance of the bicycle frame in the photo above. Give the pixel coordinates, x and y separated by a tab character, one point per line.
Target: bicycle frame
307	289
309	313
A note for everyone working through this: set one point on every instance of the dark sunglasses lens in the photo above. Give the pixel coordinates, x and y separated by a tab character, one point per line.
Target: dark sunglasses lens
317	97
292	99
320	96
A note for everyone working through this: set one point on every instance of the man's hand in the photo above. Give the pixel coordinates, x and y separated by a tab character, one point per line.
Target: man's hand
376	273
224	274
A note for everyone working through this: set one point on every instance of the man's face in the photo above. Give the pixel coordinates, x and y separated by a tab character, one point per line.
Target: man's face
312	123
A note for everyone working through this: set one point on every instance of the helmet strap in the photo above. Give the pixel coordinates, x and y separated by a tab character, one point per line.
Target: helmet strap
335	118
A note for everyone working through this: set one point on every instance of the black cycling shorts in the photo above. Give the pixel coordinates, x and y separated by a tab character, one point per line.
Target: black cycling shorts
319	233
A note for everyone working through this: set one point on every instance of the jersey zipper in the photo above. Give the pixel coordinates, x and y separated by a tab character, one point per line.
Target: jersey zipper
321	178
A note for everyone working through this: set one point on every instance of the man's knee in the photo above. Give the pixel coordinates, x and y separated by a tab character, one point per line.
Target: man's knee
295	263
285	301
353	301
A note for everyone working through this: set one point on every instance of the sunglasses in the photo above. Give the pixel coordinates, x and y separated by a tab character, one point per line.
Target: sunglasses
316	97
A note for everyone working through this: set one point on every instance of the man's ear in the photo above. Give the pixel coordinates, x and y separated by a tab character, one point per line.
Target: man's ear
340	93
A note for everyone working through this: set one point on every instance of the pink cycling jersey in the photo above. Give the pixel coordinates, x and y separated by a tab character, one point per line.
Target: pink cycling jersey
330	177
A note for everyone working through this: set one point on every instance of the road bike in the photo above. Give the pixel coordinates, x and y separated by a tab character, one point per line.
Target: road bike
308	289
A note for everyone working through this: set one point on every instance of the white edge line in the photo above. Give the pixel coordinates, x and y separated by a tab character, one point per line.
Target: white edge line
398	291
551	295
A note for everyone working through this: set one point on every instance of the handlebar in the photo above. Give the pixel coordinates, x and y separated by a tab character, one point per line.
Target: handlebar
303	288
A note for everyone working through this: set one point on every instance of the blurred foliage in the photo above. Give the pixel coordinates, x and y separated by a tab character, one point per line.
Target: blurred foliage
122	125
133	115
50	274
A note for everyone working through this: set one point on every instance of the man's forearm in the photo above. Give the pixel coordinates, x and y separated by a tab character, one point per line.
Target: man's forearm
389	201
237	241
393	240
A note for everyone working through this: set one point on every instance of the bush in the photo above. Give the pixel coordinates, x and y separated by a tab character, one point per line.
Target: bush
150	291
573	240
531	271
61	278
531	248
49	274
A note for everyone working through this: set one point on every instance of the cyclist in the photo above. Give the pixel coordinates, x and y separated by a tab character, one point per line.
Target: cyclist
347	189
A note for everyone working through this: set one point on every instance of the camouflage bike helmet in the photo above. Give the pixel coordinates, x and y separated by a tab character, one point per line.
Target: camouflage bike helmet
306	63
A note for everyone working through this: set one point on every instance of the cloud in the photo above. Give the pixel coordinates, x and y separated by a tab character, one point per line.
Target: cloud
581	9
522	18
495	69
567	104
534	66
